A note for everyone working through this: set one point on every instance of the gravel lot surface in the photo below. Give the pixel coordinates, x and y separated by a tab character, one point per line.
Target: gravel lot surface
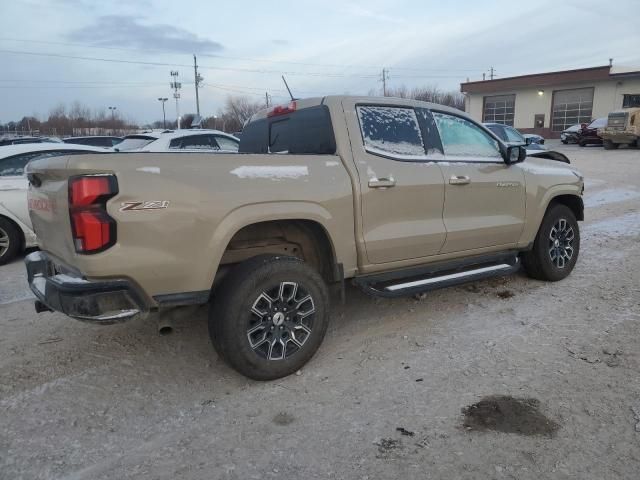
382	399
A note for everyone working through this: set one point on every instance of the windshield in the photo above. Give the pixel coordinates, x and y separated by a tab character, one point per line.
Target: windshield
513	135
134	142
598	123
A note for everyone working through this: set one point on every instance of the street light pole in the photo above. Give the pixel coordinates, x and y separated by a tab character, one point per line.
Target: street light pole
164	117
113	120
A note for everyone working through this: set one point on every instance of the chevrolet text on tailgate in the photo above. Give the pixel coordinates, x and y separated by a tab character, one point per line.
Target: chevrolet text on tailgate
399	196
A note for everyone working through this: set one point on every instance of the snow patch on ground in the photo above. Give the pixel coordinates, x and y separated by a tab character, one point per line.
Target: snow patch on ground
625	225
605	197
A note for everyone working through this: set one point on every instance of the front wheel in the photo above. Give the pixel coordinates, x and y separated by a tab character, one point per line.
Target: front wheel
269	316
556	246
10	241
609	145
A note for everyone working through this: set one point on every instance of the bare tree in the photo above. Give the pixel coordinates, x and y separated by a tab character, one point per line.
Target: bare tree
236	112
430	93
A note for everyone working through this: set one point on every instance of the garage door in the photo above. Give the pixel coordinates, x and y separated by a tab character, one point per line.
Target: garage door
499	109
571	107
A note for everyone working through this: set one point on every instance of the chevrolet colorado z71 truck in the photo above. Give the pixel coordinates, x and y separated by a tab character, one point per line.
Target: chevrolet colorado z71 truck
400	196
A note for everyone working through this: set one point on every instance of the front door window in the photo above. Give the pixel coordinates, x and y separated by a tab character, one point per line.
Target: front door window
462	139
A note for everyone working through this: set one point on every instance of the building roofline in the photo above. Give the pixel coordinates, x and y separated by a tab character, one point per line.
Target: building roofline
578	75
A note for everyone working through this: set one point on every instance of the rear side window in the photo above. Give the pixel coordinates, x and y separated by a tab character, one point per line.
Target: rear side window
134	142
305	131
391	130
598	123
226	143
195	142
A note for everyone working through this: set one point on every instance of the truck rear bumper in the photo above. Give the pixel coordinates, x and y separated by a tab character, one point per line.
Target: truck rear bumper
104	302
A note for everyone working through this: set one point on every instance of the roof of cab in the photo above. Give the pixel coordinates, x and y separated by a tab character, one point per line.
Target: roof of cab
371	100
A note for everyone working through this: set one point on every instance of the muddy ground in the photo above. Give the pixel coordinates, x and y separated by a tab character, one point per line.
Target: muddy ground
382	399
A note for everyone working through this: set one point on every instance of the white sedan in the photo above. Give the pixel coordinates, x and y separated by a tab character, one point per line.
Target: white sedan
192	140
16	232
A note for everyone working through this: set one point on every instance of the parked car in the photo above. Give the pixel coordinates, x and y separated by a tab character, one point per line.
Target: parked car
623	128
193	140
95	141
19	140
511	136
570	134
588	133
16	232
399	196
533	138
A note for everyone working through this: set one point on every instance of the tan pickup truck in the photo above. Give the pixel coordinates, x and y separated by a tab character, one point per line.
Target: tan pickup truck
399	196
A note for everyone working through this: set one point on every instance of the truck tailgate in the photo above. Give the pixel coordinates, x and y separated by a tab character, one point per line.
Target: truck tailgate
48	200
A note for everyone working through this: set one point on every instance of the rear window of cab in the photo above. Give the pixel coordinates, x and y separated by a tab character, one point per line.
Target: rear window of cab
304	131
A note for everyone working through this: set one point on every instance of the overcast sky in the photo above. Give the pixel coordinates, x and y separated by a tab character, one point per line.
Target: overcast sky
332	46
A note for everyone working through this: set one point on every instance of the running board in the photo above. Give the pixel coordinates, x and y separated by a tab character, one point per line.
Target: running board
416	280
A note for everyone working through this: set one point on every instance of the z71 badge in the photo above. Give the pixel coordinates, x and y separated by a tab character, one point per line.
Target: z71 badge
152	205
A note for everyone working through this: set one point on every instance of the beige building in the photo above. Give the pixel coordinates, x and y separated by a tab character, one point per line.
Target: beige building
547	103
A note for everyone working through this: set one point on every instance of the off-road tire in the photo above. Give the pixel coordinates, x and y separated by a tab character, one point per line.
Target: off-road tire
231	316
538	262
10	241
609	145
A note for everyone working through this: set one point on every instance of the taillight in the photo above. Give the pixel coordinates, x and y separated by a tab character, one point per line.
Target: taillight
92	228
282	109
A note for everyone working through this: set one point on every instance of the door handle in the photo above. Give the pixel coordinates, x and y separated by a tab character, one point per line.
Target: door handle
459	180
382	182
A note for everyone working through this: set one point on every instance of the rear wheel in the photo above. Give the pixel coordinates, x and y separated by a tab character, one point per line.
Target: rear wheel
609	145
269	316
10	241
556	247
582	143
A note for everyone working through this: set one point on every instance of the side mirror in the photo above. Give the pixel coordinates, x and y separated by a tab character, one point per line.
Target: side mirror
515	154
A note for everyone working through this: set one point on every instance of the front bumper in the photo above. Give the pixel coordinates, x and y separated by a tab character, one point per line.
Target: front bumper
104	302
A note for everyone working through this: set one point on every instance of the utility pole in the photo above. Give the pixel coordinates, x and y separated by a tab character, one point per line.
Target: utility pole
385	77
491	74
266	98
198	80
176	85
164	116
484	76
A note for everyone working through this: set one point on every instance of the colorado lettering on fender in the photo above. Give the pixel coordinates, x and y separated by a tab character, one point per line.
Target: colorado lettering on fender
150	205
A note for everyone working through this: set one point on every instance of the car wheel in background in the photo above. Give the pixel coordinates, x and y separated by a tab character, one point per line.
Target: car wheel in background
556	246
609	145
10	241
582	143
269	316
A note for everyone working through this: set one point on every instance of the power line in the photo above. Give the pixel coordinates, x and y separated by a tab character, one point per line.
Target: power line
233	69
164	64
242	59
